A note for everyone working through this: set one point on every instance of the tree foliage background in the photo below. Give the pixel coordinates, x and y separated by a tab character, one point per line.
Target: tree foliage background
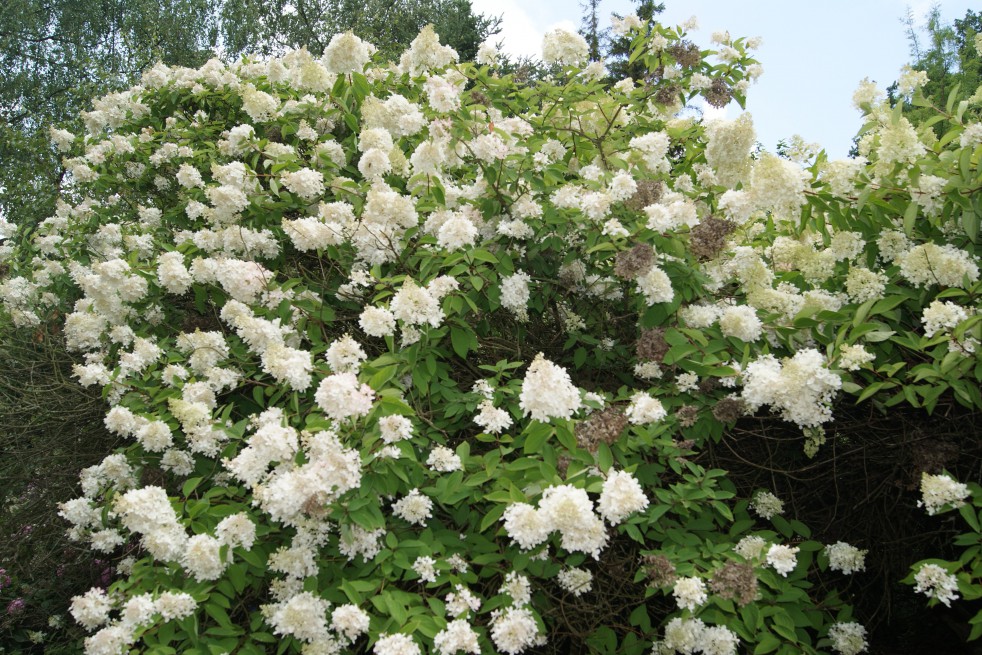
56	55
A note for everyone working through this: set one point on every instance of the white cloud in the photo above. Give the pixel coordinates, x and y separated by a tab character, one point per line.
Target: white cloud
520	35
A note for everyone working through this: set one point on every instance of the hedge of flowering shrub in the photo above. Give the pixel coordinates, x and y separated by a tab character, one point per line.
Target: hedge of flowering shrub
411	358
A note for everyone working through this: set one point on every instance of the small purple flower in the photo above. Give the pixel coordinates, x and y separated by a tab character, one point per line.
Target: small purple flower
16	606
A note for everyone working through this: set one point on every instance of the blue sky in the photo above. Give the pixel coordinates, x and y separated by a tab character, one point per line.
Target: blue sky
814	53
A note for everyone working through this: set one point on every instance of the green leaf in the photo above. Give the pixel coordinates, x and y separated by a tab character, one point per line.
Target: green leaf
492	516
190	485
910	216
218	614
605	458
768	643
968	513
463	340
970	223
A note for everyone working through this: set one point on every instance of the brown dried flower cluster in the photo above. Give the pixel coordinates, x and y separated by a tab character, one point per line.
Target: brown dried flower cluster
687	416
718	94
686	53
649	192
629	264
735	581
660	570
651	345
728	410
707	239
601	427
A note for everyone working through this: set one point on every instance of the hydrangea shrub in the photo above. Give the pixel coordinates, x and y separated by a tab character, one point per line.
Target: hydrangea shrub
413	358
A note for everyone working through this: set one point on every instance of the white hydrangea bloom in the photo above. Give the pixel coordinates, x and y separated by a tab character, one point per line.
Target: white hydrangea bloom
645	409
940	490
929	263
415	305
656	286
345	355
349	621
377	322
802	387
425	568
853	357
306	182
202	559
487	54
514	630
303	616
515	294
750	547
397	644
741	322
444	460
942	317
91	609
569	511
236	530
620	497
575	580
346	53
414	507
683	636
934	582
457	637
690	593
494	420
767	505
547	391
782	558
845	557
395	428
341	396
848	638
564	47
526	525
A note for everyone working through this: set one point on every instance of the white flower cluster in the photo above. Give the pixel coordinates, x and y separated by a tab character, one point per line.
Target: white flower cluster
688	636
515	294
569	511
514	629
621	496
801	387
575	580
690	593
848	638
494	420
937	491
138	613
728	148
397	644
414	508
853	357
944	265
346	53
767	505
846	558
782	558
645	409
741	322
564	47
942	317
547	391
935	582
563	508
